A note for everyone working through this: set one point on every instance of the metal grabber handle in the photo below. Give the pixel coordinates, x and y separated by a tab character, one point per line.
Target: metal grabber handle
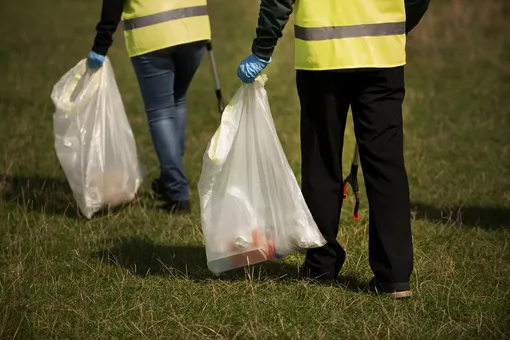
217	88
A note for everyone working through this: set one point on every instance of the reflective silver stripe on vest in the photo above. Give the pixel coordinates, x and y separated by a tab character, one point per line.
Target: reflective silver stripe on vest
158	18
340	32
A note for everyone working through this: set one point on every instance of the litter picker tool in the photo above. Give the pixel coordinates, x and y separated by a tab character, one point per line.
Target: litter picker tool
352	180
217	88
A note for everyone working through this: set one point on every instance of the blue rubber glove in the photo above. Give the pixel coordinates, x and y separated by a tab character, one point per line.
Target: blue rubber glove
95	60
250	68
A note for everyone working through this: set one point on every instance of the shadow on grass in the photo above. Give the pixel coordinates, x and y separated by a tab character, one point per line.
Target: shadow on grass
41	194
352	283
487	218
51	196
143	258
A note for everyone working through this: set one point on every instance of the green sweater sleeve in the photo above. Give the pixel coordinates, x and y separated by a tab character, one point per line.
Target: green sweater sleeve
273	16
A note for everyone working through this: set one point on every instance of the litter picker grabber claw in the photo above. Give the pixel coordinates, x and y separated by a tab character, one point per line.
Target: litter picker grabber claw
221	105
352	180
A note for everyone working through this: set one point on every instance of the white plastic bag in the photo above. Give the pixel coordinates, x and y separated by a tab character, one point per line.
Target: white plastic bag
252	208
93	139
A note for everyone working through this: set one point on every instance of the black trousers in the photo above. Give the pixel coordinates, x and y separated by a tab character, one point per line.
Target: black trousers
375	97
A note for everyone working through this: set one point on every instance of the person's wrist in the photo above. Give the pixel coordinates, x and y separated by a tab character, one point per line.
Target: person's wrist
100	50
262	60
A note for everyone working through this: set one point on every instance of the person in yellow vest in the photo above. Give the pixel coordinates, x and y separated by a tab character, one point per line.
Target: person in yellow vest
165	40
349	53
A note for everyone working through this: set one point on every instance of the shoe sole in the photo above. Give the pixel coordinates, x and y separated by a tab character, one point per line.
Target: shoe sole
401	295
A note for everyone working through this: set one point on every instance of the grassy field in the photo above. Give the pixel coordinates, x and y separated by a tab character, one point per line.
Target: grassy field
138	273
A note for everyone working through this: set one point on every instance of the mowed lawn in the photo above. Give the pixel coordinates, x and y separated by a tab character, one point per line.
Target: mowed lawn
137	273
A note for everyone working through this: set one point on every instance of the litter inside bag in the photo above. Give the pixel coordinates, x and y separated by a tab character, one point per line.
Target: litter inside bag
93	139
252	208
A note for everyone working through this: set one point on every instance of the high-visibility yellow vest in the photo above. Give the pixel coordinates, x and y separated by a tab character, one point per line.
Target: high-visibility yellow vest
151	25
333	34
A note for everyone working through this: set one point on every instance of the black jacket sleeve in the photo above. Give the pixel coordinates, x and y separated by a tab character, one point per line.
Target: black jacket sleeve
110	18
273	16
415	10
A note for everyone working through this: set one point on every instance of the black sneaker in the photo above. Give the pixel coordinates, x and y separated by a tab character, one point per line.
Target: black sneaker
177	207
171	206
379	287
322	279
158	189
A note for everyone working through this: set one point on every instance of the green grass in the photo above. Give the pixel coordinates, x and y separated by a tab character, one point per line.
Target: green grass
138	273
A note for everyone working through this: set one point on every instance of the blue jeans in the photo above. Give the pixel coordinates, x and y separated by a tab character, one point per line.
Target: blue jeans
164	77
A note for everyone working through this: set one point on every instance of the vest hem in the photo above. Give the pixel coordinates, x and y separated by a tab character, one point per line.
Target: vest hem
162	47
303	68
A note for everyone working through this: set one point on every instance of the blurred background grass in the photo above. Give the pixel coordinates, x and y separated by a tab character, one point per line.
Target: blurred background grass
138	273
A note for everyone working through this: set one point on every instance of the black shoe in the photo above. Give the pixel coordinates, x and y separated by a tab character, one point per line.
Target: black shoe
158	189
321	276
170	205
398	291
305	273
177	207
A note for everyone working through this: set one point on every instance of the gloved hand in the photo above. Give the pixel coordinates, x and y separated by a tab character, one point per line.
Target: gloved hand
251	67
95	60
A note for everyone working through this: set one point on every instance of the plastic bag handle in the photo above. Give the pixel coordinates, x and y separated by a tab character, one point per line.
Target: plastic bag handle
64	103
261	79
